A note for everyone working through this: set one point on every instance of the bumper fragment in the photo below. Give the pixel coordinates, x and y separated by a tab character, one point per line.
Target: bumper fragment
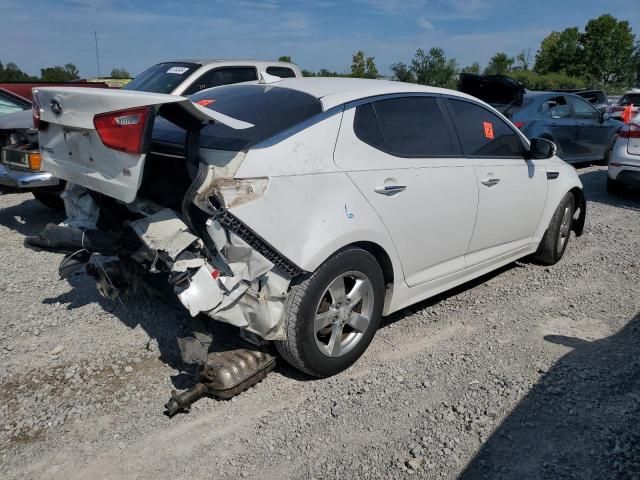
25	180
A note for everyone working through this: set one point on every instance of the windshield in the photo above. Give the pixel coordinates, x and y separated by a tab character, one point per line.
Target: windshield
162	78
8	105
270	109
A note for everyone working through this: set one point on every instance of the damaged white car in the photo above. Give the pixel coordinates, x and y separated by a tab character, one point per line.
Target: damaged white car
301	210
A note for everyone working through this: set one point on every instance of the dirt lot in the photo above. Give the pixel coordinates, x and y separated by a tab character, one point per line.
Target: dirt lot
531	372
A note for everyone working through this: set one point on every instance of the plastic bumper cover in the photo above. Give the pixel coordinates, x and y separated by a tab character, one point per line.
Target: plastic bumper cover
25	180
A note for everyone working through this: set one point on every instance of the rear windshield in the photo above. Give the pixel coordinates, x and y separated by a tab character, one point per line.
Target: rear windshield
628	99
270	109
162	78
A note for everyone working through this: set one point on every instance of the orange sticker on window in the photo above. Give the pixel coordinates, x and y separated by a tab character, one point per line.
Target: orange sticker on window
205	102
488	130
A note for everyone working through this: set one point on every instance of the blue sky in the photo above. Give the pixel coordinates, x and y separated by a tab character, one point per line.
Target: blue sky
321	33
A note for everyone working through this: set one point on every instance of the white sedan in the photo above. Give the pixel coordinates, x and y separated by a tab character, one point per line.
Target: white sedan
624	159
303	210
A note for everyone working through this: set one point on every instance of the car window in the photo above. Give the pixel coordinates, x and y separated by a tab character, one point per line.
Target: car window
270	109
557	107
282	72
628	99
162	78
222	76
8	105
366	126
581	109
411	127
482	132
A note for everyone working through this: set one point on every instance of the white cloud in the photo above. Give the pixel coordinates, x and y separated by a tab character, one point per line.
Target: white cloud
423	22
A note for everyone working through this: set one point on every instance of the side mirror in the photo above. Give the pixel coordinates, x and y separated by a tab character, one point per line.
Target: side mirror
541	148
604	116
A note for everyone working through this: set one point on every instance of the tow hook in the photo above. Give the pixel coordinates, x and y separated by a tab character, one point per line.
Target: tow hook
223	376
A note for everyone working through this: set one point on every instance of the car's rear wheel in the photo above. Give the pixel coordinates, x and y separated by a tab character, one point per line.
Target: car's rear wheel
332	315
556	238
614	187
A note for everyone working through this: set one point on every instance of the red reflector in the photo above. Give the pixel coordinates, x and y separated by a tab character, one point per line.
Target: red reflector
123	130
630	131
205	102
519	124
215	274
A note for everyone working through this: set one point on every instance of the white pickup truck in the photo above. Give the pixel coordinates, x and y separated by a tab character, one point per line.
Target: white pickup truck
18	170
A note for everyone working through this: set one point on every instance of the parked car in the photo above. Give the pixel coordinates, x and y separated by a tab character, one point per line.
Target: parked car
186	77
624	163
632	97
309	207
20	169
581	132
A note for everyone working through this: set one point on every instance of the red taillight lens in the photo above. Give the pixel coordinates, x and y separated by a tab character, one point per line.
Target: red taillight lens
630	131
123	130
35	111
519	124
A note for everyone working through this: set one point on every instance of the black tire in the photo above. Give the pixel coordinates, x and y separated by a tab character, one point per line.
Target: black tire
551	247
614	187
49	199
300	349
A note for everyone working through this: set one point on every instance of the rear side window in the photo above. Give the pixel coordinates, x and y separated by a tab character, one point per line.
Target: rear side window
282	72
162	78
407	127
270	109
222	76
482	132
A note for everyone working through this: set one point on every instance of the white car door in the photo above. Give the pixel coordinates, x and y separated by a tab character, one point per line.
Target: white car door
511	190
400	154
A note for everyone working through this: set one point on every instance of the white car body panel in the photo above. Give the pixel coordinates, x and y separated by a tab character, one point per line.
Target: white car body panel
445	182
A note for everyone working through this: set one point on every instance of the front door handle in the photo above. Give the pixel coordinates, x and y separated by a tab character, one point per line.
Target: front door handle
490	182
390	189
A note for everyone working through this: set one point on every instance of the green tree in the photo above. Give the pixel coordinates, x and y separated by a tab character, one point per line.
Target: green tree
473	68
500	64
285	58
120	73
560	52
363	67
608	47
434	68
12	73
402	73
523	60
60	74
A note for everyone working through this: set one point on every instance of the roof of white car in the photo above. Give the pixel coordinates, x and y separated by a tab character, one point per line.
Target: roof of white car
333	91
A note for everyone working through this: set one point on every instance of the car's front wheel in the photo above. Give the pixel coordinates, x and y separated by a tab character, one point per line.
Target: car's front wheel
332	315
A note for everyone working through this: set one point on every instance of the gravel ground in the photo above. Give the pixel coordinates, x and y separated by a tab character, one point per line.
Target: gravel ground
531	372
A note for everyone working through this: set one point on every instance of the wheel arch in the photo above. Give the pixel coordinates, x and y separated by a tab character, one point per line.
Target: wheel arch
581	203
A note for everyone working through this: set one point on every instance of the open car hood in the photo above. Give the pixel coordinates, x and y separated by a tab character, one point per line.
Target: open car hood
493	89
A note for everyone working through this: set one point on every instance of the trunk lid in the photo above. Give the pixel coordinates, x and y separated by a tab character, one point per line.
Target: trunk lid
73	150
496	90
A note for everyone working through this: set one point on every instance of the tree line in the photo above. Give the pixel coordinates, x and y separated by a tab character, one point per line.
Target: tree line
67	73
603	55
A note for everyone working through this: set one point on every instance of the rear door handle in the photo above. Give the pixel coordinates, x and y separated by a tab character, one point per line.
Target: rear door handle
390	189
490	182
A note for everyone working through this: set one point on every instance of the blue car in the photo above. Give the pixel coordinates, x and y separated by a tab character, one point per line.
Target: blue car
580	131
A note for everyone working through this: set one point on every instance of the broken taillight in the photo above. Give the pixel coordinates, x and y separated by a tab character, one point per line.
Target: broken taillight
123	130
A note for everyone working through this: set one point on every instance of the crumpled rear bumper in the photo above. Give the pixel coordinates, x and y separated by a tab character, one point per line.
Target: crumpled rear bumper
25	180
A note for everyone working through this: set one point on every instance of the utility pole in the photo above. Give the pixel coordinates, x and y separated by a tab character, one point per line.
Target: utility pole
95	35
